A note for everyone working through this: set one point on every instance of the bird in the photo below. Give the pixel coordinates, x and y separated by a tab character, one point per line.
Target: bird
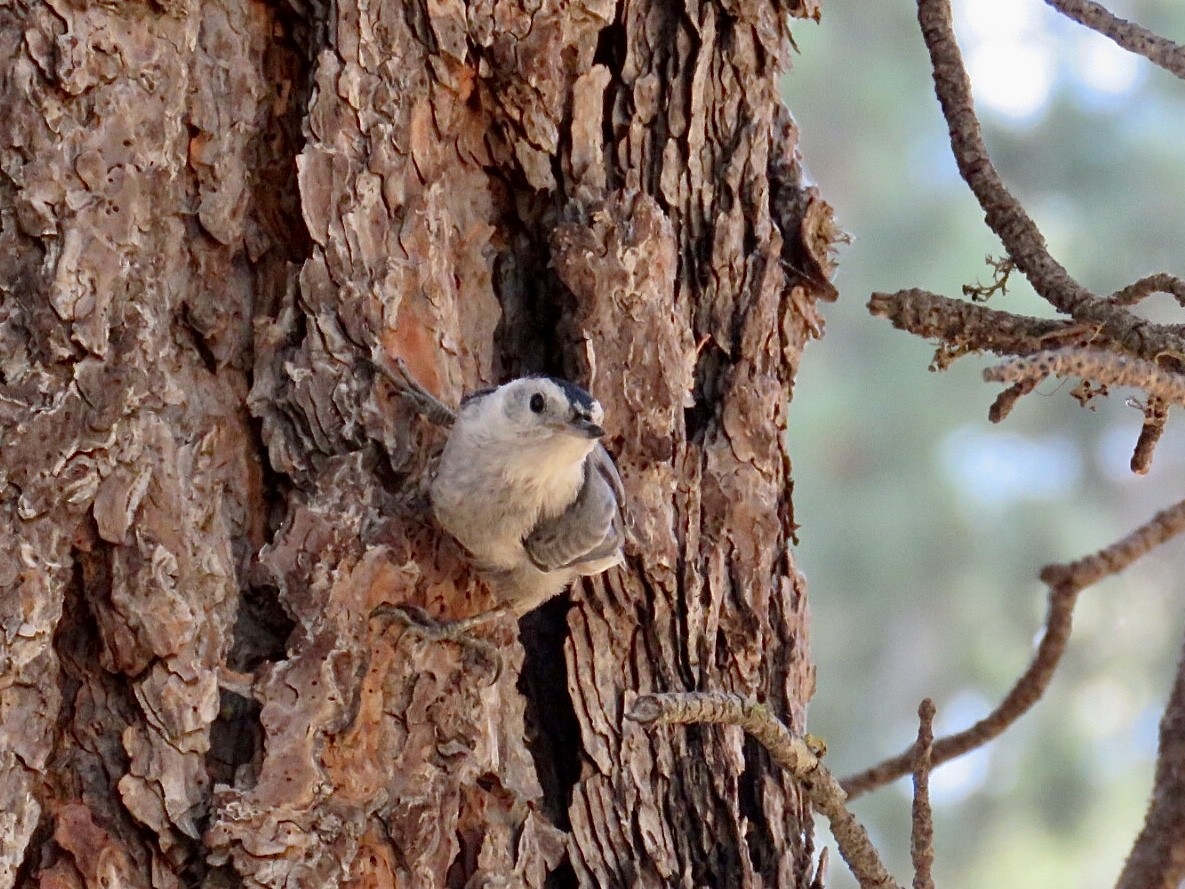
526	486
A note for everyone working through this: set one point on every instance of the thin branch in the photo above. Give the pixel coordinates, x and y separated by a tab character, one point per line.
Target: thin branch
789	751
921	836
1134	38
1008	398
1157	857
1016	703
1065	583
1088	570
1156	417
1103	367
1004	214
1158	283
964	324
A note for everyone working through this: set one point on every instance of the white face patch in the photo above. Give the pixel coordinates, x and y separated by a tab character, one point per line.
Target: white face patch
538	408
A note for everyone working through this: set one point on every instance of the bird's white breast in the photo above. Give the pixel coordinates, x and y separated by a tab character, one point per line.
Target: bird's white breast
490	493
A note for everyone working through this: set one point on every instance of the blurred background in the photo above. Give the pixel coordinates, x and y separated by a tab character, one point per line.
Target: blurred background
923	525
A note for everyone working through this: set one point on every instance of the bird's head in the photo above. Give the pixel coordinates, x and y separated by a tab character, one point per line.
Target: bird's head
539	413
544	407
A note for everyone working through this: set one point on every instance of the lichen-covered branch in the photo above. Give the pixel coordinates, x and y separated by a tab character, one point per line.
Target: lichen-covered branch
1065	583
1002	269
788	750
1133	37
1102	367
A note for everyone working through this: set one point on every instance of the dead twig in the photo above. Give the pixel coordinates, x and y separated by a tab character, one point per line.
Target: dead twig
1008	398
958	323
921	835
1156	416
1134	38
1145	287
789	751
1065	583
1157	858
1104	343
1089	570
1107	368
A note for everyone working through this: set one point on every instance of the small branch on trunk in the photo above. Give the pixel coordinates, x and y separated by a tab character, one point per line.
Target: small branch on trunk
1065	583
819	880
790	751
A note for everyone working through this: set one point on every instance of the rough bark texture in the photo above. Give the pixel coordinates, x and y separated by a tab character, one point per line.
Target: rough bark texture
1157	860
211	215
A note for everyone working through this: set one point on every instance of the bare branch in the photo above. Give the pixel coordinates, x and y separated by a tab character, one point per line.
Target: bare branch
1016	703
789	751
1165	525
1065	583
1004	214
1134	38
921	837
1103	367
1158	283
976	327
1157	857
1008	398
1156	416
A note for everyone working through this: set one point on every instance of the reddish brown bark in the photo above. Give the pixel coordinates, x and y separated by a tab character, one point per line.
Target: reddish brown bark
212	215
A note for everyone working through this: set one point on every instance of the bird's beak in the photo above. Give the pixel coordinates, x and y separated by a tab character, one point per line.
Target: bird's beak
584	425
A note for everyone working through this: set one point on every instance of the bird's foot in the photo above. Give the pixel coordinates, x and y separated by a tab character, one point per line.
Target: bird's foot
419	622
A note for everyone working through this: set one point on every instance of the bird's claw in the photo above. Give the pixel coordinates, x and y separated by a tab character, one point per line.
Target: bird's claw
419	622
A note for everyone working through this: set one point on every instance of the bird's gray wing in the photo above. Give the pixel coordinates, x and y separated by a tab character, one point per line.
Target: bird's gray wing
589	530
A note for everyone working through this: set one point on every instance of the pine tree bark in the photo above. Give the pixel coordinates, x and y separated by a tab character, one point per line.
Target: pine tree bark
202	475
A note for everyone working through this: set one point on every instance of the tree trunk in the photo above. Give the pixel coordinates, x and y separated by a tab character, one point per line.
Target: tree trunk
200	467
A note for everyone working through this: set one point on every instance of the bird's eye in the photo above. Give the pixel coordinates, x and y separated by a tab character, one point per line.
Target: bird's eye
537	403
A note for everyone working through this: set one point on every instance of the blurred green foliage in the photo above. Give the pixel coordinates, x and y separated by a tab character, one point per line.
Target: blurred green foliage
924	526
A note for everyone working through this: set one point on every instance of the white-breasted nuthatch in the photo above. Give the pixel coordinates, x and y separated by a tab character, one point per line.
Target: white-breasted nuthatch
525	486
